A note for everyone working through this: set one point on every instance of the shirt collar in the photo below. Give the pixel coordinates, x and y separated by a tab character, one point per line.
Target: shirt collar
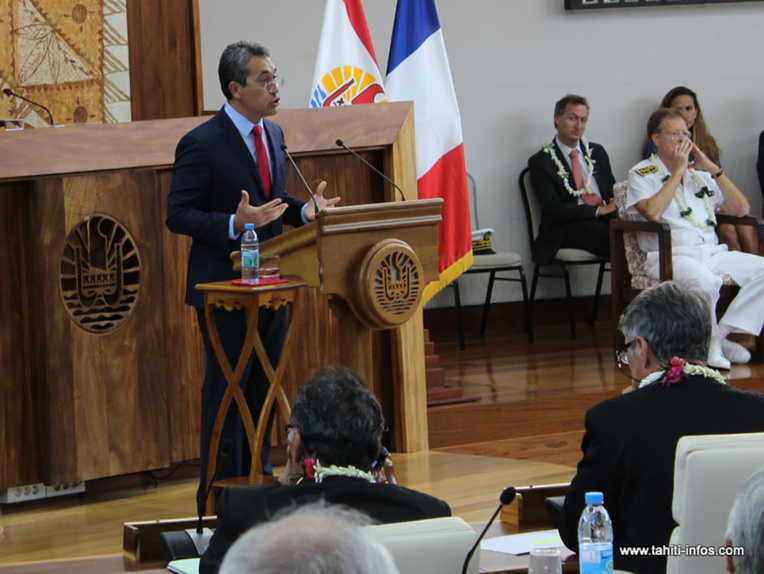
565	149
240	121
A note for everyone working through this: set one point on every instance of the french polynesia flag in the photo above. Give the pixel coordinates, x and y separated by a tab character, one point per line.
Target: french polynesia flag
418	70
346	67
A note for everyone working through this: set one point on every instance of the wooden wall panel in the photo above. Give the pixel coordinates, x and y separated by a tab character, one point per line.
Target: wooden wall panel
51	351
162	70
184	349
114	384
19	459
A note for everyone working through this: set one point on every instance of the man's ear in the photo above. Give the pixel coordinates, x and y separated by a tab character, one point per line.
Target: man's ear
297	449
234	88
644	356
654	139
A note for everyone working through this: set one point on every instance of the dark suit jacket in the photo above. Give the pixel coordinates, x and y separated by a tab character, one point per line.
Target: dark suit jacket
559	209
239	508
629	448
212	166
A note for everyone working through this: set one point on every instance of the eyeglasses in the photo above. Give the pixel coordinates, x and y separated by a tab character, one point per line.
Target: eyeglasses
269	83
673	136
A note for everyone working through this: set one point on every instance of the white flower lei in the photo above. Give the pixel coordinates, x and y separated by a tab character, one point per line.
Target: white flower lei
563	173
710	223
334	470
688	370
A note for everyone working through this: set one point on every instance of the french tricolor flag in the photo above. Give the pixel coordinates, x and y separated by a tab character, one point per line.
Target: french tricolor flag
418	70
346	67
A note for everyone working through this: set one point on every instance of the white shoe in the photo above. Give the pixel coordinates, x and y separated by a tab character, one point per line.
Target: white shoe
735	352
716	359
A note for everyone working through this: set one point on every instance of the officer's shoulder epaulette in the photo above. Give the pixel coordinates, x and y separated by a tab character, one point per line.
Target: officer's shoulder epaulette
647	170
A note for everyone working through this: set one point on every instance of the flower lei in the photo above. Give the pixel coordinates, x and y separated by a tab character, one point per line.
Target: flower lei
704	193
563	173
315	472
678	369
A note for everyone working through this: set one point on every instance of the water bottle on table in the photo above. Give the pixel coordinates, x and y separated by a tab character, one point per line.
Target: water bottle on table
595	537
250	255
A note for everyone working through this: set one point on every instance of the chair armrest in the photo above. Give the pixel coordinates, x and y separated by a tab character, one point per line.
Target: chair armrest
619	226
735	220
755	222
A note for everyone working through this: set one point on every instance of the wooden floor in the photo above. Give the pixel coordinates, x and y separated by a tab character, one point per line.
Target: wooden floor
525	429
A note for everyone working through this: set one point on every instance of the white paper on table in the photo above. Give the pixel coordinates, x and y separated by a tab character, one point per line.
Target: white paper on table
523	543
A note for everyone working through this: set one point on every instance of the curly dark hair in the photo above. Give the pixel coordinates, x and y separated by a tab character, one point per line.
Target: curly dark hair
340	421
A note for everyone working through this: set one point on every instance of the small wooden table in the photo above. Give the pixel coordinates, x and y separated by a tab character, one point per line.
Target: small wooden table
250	299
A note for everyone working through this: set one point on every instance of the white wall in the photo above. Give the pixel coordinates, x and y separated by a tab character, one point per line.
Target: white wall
512	59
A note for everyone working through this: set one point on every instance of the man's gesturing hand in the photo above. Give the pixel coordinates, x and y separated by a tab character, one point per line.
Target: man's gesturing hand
260	215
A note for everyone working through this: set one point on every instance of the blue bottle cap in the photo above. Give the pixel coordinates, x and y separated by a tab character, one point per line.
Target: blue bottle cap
594	498
249	226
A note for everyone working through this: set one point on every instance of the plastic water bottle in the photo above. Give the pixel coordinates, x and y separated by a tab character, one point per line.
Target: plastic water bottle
595	537
250	255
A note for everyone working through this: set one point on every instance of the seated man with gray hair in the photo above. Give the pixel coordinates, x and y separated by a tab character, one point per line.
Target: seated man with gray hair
630	440
745	529
313	539
335	441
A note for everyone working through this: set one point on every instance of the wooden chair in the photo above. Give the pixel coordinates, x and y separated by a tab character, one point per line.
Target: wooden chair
628	277
486	260
563	259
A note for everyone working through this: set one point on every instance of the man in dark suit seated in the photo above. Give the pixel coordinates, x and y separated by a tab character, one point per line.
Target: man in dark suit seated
229	171
335	441
630	440
574	184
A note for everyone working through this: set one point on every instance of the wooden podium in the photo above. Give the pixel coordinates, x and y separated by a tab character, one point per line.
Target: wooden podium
102	362
372	261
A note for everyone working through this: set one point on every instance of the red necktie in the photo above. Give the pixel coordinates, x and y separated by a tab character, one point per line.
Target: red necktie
578	177
262	160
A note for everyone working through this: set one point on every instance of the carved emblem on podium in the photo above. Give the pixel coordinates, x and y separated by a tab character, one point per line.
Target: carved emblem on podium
100	274
390	283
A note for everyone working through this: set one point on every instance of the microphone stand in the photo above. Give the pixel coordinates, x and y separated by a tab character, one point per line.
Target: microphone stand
299	173
9	92
341	144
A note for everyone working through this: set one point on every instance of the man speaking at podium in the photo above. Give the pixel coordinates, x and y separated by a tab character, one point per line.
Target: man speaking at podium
229	171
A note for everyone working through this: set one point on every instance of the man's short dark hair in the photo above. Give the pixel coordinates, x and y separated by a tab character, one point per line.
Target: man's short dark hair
673	319
559	107
657	117
233	63
340	421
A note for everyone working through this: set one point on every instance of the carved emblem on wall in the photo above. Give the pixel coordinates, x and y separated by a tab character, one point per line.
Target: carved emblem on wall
391	284
100	274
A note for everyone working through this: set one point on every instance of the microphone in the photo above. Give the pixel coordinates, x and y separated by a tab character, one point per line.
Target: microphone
341	144
302	178
506	497
9	92
193	542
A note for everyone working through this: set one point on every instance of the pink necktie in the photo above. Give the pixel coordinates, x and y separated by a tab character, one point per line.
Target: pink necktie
578	177
262	160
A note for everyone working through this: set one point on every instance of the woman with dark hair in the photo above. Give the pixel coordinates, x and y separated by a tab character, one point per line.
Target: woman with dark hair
685	101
